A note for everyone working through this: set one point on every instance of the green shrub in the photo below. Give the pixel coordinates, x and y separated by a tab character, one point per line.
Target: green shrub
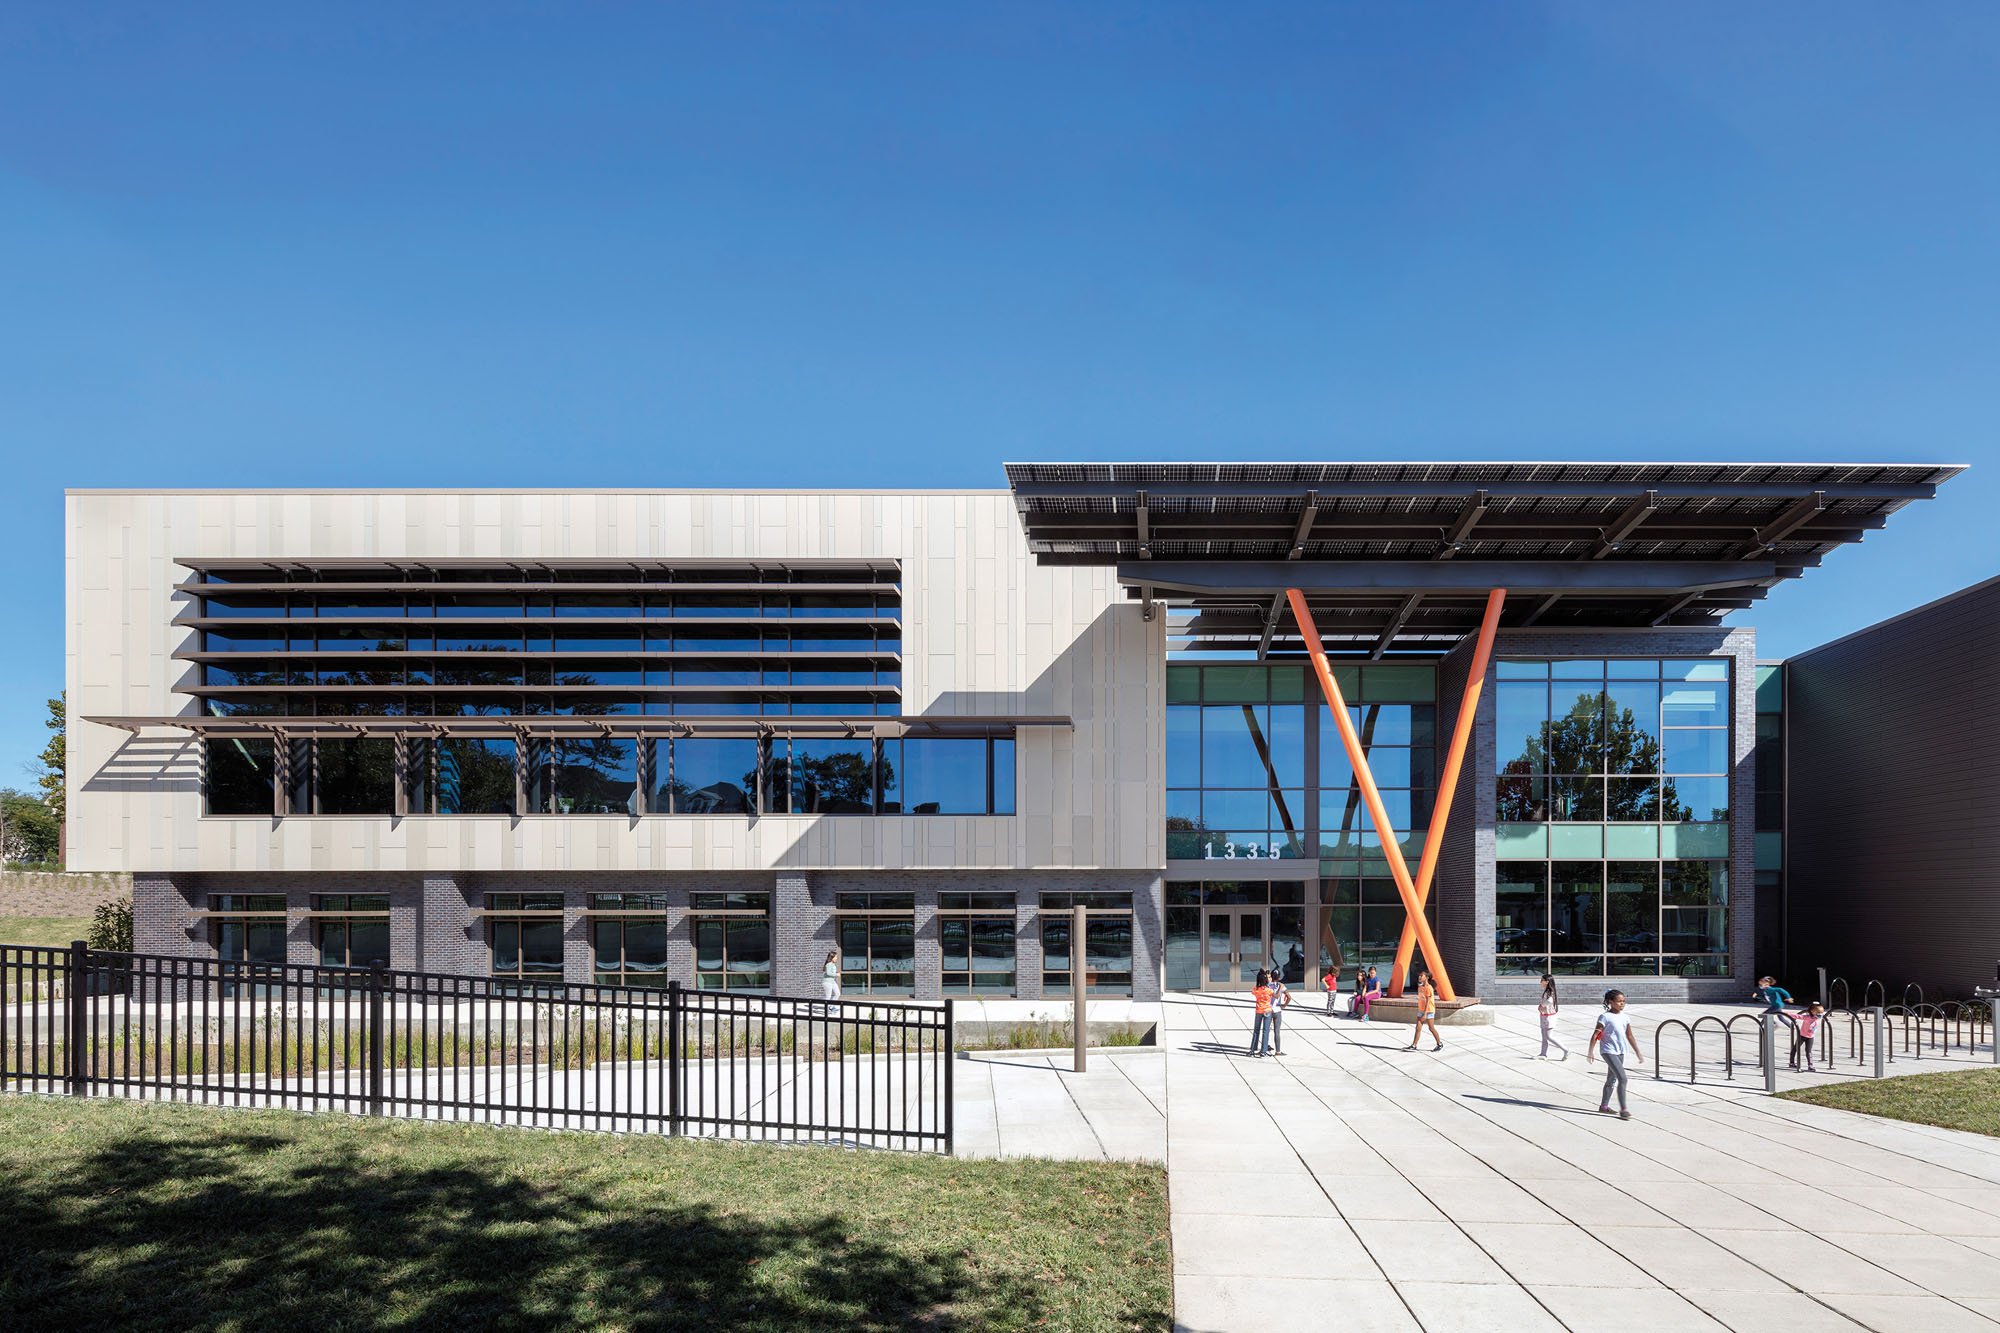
111	926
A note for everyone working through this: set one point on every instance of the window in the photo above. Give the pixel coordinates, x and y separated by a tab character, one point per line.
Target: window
526	930
732	940
356	777
249	928
628	936
976	934
1107	942
239	776
878	935
948	775
358	936
1612	918
572	776
822	777
462	775
705	775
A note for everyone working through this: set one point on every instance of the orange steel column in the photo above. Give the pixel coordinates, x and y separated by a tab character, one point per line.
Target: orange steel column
1370	795
1461	734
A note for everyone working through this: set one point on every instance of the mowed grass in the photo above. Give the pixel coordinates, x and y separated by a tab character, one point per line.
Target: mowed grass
1963	1099
45	931
156	1216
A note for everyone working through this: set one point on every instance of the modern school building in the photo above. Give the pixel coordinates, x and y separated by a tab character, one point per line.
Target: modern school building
640	736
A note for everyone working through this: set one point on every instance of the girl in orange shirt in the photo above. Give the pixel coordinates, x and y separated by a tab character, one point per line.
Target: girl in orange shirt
1427	1013
1260	1028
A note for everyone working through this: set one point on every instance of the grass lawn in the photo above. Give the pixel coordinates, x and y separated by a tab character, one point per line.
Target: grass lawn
1963	1099
153	1216
43	930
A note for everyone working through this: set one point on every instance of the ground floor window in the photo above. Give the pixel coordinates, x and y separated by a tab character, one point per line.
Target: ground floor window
878	942
351	929
1107	958
628	939
1361	923
249	927
976	941
526	931
732	940
1612	918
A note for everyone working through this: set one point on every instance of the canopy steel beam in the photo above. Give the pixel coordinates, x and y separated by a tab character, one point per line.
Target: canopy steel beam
1389	631
1535	578
1270	625
1308	514
1788	522
1624	525
1555	489
1145	531
1461	528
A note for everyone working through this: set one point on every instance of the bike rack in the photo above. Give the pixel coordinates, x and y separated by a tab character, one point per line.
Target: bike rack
1846	996
1659	1070
1872	989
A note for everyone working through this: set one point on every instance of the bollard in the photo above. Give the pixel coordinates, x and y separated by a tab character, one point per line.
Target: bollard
1993	1027
1824	998
1881	1055
1770	1051
1077	980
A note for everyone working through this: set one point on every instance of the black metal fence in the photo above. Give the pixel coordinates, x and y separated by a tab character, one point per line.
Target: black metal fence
428	1046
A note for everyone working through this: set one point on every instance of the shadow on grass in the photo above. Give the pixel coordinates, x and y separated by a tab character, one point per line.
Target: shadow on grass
234	1231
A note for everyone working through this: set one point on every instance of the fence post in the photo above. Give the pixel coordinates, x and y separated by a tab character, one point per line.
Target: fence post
950	1060
1078	983
375	1038
673	1057
76	1040
1770	1051
1881	1055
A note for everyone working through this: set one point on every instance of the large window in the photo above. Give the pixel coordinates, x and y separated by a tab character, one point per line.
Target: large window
705	775
248	927
351	929
239	776
878	942
1244	744
732	940
1612	918
597	776
976	940
461	775
1107	960
628	938
526	930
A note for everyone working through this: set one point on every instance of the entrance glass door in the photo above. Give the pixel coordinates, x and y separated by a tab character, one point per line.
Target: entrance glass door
1233	946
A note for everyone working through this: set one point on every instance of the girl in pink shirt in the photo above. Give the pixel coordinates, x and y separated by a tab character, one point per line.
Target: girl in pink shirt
1809	1022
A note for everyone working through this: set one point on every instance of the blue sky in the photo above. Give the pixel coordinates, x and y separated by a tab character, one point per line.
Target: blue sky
517	245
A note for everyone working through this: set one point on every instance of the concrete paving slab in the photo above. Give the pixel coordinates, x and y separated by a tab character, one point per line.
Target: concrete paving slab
1473	1307
1234	1304
1618	1310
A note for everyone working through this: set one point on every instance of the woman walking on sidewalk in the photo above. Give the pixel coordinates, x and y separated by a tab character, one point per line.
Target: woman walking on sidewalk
1547	1010
829	976
1613	1037
1427	1013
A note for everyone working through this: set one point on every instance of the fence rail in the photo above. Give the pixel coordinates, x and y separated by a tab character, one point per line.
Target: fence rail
372	1041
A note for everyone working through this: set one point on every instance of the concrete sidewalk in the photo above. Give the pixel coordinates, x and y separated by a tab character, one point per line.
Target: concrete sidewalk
1356	1185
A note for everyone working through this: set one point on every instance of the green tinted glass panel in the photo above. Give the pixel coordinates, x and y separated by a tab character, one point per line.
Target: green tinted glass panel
1183	685
1770	689
1521	842
1694	840
1398	684
1237	684
1288	685
1577	842
1770	851
1631	841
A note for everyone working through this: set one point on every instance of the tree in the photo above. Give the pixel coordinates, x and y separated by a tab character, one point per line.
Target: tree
28	831
54	758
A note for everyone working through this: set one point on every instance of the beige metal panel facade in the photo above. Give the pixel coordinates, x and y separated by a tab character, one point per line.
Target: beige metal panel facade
986	631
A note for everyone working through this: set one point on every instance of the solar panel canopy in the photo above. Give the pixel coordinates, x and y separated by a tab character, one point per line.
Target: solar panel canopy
1399	557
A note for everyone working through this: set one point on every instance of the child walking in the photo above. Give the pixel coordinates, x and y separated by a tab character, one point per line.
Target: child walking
1548	1009
1808	1028
1427	1013
1612	1037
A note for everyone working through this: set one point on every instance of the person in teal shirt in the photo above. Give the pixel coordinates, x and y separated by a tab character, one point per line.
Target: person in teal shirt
1774	998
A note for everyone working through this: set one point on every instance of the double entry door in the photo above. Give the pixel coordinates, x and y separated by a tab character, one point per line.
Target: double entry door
1235	942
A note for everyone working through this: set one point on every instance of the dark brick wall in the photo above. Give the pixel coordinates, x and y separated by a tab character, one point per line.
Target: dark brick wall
434	926
1893	804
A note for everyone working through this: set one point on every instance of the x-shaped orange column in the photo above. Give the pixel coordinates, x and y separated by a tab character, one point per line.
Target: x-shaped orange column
1416	927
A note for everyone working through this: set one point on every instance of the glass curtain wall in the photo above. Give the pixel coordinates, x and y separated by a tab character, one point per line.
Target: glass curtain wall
1613	800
